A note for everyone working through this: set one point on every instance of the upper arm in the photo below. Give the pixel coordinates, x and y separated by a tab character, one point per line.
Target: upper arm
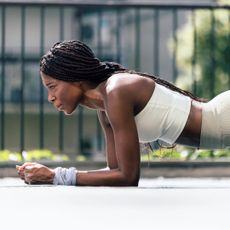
119	107
109	140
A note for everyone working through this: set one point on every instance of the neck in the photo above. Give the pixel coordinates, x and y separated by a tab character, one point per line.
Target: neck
93	97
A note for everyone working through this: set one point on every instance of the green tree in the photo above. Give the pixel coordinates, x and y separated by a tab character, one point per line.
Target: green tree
203	52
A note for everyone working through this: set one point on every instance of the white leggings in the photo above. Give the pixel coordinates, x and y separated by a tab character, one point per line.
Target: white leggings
215	130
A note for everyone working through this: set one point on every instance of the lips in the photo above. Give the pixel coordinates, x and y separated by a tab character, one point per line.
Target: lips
60	107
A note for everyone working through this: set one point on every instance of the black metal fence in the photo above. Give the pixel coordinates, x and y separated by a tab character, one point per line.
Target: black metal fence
133	34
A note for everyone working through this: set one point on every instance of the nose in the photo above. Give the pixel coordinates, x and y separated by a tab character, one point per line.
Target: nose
51	98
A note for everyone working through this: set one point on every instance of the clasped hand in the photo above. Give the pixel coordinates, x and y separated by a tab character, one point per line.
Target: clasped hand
34	173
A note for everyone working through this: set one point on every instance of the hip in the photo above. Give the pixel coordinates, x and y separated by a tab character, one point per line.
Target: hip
215	129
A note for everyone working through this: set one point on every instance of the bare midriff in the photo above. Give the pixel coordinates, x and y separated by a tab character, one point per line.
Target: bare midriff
191	134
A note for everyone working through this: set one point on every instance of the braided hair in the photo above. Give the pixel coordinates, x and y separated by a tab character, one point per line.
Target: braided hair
73	61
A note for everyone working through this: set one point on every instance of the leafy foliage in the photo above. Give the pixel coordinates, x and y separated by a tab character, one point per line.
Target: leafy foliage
32	155
203	53
183	153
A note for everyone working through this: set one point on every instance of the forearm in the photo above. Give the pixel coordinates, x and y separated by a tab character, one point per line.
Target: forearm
112	177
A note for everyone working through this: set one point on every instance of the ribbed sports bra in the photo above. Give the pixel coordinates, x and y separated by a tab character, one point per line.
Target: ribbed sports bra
164	116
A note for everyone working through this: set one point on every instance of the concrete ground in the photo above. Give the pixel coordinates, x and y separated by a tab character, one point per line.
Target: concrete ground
179	203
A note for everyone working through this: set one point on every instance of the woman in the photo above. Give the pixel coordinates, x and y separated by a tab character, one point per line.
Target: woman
132	107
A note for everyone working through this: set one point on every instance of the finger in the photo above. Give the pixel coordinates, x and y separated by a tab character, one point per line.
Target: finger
28	178
20	171
22	167
21	175
17	167
29	169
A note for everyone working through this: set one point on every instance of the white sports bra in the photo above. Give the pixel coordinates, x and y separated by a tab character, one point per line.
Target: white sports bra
164	116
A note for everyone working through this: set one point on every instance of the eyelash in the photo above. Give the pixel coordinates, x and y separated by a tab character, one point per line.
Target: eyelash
51	87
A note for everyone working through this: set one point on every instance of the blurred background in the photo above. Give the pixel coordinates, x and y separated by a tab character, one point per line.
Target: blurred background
187	43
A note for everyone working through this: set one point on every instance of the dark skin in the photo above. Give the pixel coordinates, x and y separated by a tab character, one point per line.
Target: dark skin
117	101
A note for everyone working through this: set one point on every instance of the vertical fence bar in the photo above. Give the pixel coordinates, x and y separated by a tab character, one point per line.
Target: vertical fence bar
80	110
156	42
80	128
137	39
175	25
22	104
41	100
213	59
99	131
228	49
194	56
61	119
118	35
2	138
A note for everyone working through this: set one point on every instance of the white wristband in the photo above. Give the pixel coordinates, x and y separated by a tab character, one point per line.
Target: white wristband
64	176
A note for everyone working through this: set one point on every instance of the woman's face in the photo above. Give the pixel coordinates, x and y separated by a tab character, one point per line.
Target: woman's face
65	96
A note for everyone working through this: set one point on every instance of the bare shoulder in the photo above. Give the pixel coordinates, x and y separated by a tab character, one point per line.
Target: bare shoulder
127	92
120	87
127	82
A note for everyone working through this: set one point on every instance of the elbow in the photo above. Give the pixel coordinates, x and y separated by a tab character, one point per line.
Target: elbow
134	183
130	180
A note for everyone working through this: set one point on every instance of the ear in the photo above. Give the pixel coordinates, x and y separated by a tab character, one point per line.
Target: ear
78	84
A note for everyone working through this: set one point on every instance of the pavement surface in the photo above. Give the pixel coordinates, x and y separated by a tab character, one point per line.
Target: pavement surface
160	203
